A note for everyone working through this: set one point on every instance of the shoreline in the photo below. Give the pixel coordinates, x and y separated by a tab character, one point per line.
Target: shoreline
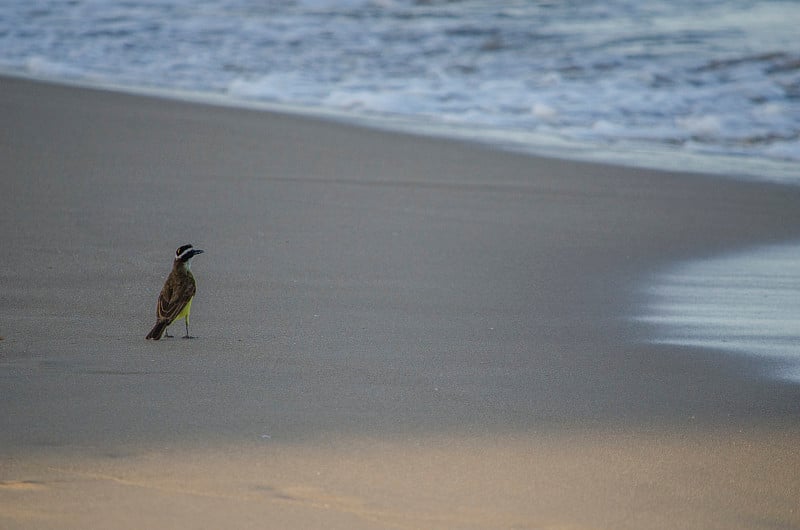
739	303
392	330
647	157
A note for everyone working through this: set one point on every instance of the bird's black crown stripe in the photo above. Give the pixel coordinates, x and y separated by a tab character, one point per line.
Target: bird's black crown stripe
182	249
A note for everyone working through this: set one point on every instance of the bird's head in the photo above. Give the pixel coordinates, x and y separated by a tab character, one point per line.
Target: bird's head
186	253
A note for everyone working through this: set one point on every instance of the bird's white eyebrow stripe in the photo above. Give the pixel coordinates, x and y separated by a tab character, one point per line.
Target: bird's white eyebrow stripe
182	254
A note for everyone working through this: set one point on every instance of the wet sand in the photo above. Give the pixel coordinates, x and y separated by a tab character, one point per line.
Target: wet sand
392	331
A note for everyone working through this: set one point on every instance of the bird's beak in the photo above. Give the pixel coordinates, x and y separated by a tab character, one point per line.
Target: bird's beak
197	251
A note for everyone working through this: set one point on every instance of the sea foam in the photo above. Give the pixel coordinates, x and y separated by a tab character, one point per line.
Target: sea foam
747	302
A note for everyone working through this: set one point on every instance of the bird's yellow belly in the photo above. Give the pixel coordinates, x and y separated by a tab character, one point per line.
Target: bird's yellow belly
185	311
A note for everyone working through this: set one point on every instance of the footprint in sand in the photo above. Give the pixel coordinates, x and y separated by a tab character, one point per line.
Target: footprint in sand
22	485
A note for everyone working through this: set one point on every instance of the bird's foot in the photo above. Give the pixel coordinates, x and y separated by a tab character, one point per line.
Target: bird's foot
188	337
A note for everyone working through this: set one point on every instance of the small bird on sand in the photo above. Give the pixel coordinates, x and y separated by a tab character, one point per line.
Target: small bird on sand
175	300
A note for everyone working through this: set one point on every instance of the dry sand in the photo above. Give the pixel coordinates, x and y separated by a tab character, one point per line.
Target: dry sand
393	331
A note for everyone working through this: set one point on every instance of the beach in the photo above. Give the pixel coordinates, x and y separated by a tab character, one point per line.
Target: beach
393	331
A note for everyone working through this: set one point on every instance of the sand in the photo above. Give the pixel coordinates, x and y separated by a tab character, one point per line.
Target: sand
393	331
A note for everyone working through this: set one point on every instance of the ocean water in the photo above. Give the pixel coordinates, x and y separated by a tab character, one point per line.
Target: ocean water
746	302
711	85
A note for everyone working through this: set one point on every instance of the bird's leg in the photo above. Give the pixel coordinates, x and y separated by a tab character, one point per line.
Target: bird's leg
187	336
166	333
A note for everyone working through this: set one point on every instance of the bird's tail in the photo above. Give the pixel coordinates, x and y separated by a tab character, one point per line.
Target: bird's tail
158	330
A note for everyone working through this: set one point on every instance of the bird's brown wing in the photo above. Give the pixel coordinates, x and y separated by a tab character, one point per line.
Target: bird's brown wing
174	297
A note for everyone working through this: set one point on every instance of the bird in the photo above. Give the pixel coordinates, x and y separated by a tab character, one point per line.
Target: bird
175	299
